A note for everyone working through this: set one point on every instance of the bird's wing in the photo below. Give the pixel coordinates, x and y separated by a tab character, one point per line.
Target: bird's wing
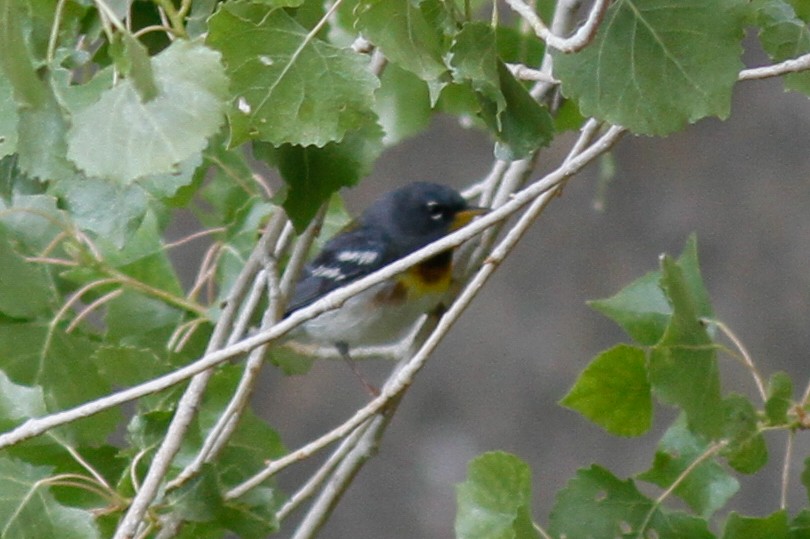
345	258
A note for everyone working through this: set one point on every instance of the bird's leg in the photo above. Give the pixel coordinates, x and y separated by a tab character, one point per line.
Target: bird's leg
343	350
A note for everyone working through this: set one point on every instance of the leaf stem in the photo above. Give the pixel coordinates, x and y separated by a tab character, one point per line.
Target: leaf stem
54	37
745	356
176	17
710	451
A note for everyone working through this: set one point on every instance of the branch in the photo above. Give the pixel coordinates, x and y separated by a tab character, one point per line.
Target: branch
190	401
342	477
583	36
539	193
35	427
794	65
314	482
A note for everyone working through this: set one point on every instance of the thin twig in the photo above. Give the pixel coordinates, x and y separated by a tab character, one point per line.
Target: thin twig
342	477
744	355
189	403
194	236
34	427
405	375
92	307
523	72
786	470
581	38
712	450
309	488
794	65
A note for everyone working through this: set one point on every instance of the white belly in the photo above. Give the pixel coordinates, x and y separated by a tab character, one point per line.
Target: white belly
357	325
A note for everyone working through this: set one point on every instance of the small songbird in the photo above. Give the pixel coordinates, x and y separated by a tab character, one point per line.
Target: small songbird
399	223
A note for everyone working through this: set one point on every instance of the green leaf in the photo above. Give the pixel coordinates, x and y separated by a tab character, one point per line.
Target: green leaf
198	500
693	281
41	141
774	526
165	186
640	308
36	355
289	87
253	515
614	393
800	526
28	509
595	503
655	65
524	126
707	487
746	451
34	223
16	60
406	38
126	365
780	394
683	366
121	139
25	288
516	46
135	320
108	209
802	8
289	361
313	174
473	57
132	60
402	104
495	500
783	36
8	118
18	402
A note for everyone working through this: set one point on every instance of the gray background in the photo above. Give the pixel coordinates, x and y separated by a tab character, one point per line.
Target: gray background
741	185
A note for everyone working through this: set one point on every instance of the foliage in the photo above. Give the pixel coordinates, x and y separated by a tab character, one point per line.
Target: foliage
116	114
714	438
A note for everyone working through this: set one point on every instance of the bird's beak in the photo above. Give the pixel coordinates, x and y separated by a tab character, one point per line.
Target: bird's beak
465	216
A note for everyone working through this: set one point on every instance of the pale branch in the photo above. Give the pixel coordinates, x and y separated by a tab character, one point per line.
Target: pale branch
539	190
308	489
159	467
34	427
299	254
248	307
189	402
524	72
783	491
581	38
342	477
217	438
340	481
794	65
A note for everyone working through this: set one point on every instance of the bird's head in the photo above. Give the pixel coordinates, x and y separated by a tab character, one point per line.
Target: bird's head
420	213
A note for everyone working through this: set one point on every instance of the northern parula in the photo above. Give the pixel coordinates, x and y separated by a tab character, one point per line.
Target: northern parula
397	224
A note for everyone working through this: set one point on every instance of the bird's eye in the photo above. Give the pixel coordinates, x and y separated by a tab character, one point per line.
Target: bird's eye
436	210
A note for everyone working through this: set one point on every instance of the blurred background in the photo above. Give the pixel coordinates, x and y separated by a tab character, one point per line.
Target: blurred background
741	185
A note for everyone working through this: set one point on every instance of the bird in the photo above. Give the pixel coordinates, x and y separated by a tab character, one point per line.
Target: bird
395	225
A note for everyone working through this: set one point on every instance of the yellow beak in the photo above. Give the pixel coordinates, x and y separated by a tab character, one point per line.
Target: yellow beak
465	216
